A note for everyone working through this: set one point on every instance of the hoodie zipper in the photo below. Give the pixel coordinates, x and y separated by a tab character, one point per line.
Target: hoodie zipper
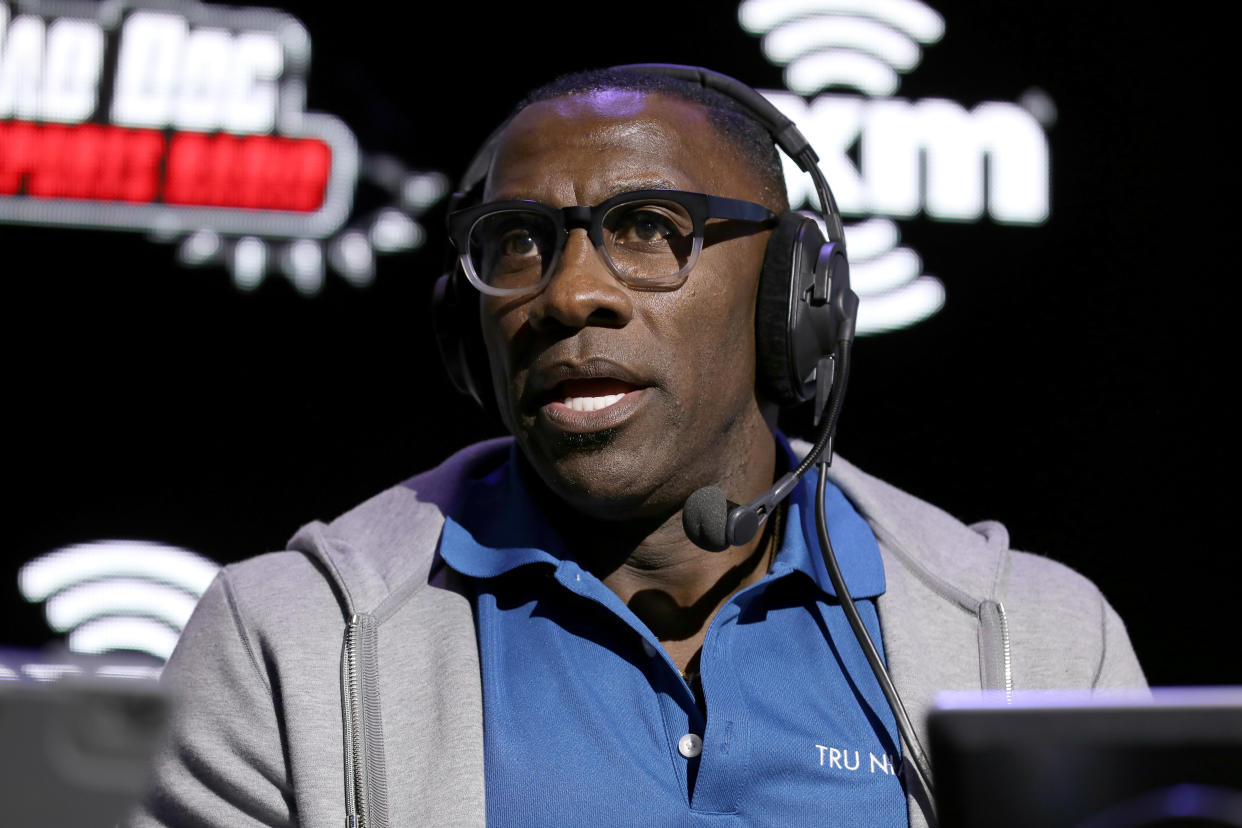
996	649
1007	653
351	703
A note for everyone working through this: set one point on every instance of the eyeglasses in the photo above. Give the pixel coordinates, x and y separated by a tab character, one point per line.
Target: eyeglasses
650	239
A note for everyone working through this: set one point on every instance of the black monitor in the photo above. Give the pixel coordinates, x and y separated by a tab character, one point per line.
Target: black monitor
77	736
1172	757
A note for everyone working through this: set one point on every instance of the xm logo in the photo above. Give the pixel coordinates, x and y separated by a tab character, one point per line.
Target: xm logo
888	157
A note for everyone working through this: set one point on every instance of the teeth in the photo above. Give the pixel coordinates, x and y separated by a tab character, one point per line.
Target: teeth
591	403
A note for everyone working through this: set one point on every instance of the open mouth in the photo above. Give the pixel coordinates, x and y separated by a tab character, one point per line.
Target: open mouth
585	397
593	394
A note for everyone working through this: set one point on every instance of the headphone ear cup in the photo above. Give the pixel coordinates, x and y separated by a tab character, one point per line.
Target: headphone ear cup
455	318
788	274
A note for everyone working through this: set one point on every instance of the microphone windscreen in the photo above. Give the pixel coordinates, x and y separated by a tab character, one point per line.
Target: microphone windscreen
705	517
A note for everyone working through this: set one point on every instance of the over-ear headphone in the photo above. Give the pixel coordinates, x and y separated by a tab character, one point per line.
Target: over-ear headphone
805	307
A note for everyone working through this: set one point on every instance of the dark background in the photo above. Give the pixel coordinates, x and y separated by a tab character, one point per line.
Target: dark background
1070	387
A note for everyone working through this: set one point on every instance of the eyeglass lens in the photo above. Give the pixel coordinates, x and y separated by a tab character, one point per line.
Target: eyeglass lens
646	242
512	248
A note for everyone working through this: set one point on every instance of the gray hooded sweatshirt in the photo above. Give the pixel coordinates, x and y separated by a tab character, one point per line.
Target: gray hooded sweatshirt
337	683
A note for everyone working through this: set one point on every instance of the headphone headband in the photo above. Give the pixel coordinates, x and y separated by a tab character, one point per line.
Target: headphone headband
785	134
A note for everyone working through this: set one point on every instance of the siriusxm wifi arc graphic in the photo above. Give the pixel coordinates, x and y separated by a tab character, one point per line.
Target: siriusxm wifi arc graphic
862	44
888	157
118	594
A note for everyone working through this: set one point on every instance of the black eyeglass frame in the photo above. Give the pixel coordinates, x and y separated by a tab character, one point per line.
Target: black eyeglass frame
699	206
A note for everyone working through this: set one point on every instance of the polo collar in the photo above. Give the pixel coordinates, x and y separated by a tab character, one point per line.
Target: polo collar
499	527
853	542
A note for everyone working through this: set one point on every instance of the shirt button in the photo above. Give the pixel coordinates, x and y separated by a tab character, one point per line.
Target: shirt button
690	745
649	648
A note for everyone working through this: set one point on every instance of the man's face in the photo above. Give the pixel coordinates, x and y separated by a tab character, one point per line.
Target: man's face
682	361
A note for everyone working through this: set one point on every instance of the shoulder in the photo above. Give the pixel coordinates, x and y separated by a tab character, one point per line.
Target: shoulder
960	561
975	559
1062	630
389	542
1043	581
354	562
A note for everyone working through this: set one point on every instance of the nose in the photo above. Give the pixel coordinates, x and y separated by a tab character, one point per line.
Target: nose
581	292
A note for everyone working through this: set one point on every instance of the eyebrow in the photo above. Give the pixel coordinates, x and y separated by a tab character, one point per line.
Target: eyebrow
615	188
630	185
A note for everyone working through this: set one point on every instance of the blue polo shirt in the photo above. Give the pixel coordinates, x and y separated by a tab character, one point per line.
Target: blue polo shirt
587	720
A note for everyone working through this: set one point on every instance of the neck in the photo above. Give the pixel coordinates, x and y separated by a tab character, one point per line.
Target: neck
672	585
678	588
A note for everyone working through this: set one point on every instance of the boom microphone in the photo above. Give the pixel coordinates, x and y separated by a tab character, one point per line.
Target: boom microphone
714	523
705	517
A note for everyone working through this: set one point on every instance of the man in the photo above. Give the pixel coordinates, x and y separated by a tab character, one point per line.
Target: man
526	634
